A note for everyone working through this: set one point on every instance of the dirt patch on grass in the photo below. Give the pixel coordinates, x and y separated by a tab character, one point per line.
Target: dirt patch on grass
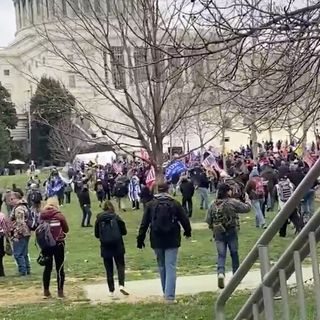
33	294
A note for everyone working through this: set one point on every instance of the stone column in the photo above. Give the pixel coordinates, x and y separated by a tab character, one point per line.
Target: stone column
16	8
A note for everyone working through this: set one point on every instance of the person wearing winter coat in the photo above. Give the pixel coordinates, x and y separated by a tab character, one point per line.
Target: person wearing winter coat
187	191
59	228
112	245
134	191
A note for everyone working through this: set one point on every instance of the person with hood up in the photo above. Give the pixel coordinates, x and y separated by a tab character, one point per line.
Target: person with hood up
59	228
109	229
256	190
134	191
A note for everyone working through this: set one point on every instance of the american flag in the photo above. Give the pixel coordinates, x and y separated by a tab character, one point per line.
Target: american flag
150	178
210	162
309	160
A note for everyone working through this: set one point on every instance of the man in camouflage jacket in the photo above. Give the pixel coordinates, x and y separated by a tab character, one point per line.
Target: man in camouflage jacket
223	219
20	233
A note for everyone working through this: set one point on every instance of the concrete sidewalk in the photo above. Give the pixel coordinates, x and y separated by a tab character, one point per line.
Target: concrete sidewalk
145	290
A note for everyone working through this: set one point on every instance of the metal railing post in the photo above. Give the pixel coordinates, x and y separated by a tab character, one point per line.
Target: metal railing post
265	239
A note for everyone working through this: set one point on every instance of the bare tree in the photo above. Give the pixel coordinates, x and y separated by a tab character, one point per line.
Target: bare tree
132	56
65	141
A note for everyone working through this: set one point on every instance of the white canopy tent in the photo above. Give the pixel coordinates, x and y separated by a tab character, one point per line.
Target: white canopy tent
16	162
101	158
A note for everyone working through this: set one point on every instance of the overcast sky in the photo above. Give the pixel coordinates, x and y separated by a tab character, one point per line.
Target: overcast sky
7	22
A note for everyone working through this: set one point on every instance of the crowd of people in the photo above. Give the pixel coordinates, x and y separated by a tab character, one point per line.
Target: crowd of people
243	184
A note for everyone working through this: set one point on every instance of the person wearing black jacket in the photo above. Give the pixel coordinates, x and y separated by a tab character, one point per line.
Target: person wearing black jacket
164	215
203	185
85	204
187	191
114	250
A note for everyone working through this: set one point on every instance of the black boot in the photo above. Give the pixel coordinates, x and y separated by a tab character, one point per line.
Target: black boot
1	268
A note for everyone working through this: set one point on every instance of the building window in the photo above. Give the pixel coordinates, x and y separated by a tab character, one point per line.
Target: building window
39	7
64	8
6	72
31	11
97	6
140	63
117	63
86	6
72	81
43	60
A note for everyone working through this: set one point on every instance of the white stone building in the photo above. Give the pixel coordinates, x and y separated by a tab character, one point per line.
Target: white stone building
27	59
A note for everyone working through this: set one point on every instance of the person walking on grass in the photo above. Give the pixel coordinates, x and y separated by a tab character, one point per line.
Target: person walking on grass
85	204
187	191
58	225
21	233
223	220
256	190
163	215
109	229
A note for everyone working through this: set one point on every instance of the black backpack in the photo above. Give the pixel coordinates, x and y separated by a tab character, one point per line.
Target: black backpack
109	231
120	190
164	219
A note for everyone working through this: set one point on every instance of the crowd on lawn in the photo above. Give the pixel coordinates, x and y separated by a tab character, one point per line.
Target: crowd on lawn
243	184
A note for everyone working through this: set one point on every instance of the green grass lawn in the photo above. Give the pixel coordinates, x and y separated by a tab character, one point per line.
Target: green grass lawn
84	265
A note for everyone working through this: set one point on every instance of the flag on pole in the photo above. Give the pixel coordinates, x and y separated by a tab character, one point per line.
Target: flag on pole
309	160
150	178
211	162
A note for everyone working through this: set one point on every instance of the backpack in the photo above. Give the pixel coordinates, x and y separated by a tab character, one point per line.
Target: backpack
44	236
284	190
109	231
223	217
32	219
36	197
259	187
120	190
164	219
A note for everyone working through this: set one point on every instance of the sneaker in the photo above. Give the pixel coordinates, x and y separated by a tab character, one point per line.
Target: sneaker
171	301
221	280
124	291
113	296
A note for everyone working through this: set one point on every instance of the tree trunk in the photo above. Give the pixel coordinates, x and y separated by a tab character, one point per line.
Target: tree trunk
254	140
223	147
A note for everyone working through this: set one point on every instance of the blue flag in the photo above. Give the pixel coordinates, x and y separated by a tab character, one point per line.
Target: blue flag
175	168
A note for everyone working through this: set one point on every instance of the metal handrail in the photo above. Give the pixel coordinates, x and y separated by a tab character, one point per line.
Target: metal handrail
265	239
285	262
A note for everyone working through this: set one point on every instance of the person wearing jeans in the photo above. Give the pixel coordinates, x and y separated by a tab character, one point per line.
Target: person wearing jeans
163	215
203	185
256	190
21	233
85	204
167	264
223	220
257	205
112	248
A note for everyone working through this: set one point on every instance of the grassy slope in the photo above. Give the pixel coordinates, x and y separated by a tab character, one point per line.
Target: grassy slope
83	264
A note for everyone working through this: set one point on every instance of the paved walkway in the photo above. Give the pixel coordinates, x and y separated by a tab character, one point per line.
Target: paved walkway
187	285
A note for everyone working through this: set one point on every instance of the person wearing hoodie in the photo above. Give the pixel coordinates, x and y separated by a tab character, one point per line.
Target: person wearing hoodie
59	228
187	191
256	191
269	175
163	215
109	229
